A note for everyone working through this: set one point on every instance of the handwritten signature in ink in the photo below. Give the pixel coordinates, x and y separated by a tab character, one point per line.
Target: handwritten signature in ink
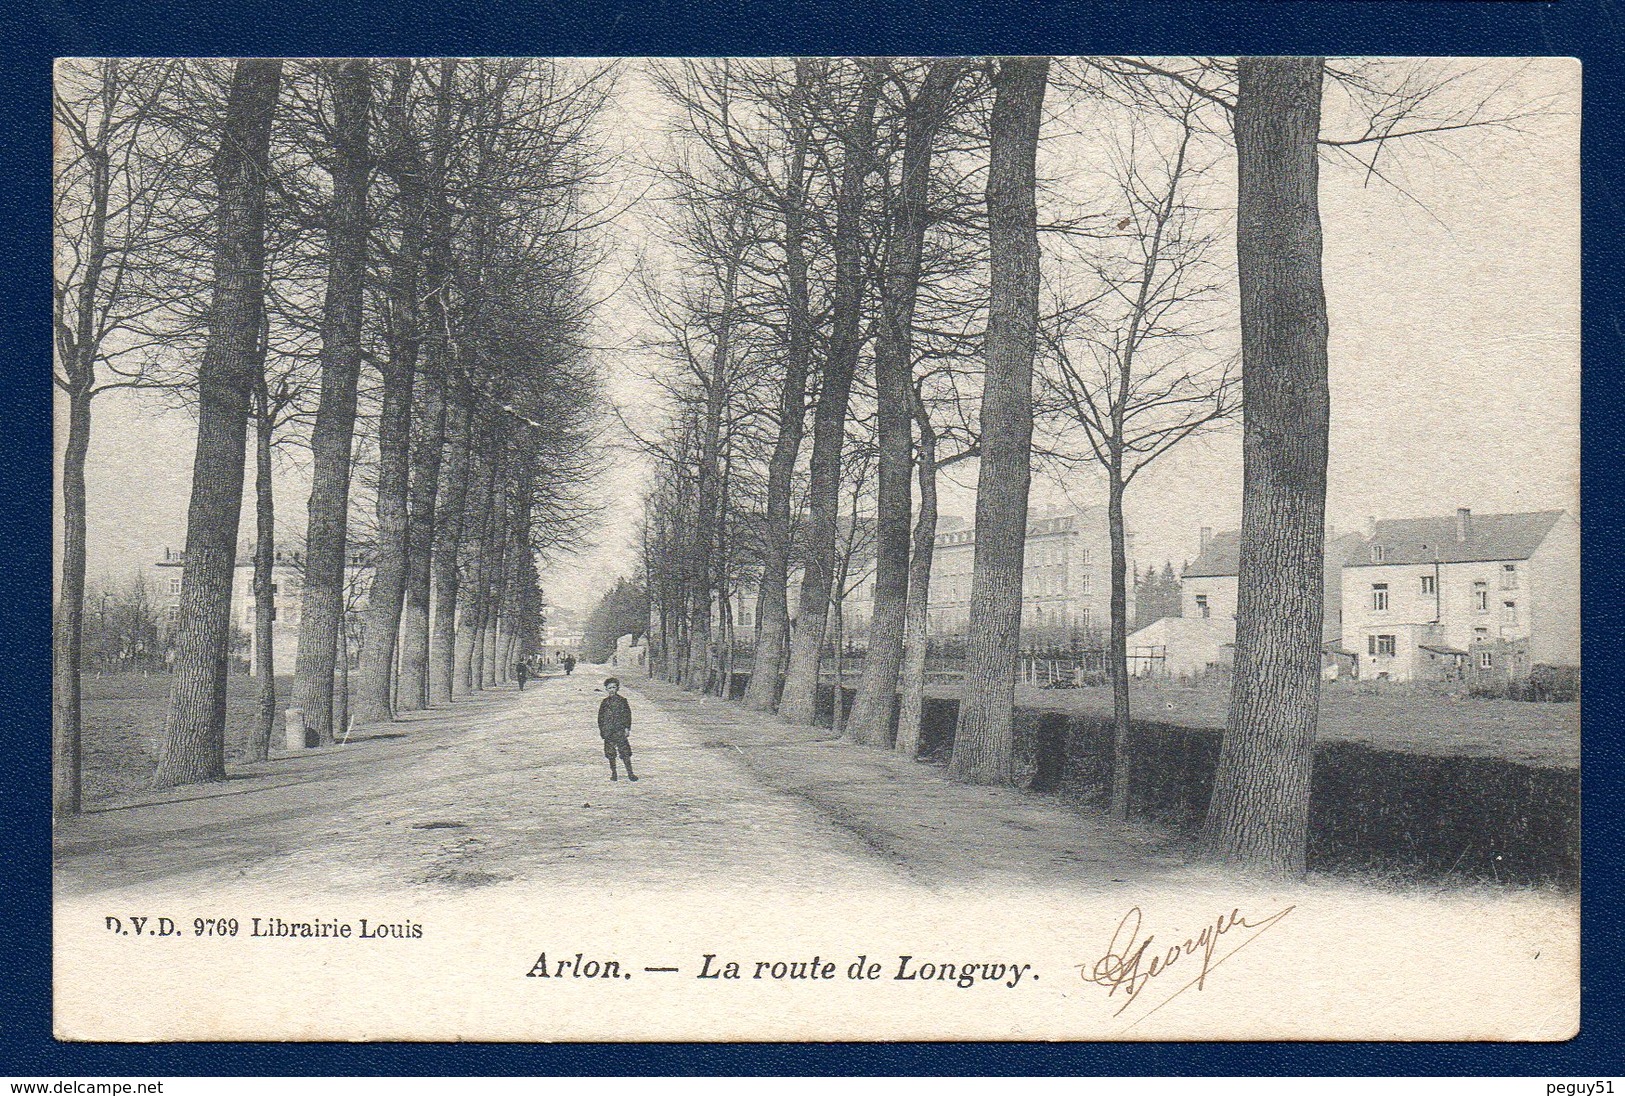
1131	964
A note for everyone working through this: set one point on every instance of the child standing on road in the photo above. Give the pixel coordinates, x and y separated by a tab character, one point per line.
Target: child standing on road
614	727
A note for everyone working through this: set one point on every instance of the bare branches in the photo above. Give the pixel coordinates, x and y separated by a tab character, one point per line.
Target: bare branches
1131	365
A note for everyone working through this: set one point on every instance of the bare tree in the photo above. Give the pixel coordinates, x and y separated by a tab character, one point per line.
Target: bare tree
857	542
450	523
194	733
983	742
929	461
1259	816
322	609
924	114
857	136
269	410
402	160
111	191
1131	366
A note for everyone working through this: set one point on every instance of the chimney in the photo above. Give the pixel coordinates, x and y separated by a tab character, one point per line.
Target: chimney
1370	527
1207	535
1464	523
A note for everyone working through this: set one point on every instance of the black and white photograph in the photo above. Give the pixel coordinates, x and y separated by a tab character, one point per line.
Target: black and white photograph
565	549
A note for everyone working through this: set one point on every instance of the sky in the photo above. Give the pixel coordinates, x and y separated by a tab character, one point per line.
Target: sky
1454	363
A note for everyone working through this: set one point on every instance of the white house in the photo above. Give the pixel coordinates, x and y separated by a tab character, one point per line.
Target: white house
1182	647
1486	594
1208	584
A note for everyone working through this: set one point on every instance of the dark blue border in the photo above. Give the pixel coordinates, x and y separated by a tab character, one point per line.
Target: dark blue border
35	31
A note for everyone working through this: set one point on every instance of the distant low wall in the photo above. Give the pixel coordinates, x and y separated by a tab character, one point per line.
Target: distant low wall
1383	811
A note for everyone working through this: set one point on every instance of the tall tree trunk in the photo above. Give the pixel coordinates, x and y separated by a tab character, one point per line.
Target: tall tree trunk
471	612
79	363
496	573
1117	657
375	679
67	750
322	600
374	684
341	687
983	742
259	743
1259	815
837	715
800	699
195	729
894	388
772	606
521	571
413	691
916	638
451	507
707	529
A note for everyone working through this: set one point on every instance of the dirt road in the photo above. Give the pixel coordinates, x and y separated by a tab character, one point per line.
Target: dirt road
511	788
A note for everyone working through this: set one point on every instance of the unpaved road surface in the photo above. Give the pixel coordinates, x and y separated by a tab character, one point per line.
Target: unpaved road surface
511	788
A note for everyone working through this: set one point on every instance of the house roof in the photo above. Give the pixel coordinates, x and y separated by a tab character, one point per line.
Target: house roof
1406	540
1222	556
1426	540
1184	629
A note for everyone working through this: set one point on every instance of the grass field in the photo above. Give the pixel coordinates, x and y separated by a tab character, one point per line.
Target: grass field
1419	721
124	727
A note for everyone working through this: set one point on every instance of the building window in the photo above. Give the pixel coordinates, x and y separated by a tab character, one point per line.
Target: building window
1085	617
1379	645
1481	633
1485	660
1430	585
1083	583
1509	612
1083	555
174	585
1481	597
1509	576
1378	553
1379	597
1202	606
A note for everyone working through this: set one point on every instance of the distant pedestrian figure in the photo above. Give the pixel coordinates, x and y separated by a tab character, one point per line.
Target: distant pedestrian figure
521	670
569	665
615	727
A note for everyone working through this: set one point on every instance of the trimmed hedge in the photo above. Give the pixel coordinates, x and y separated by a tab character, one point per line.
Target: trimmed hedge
1371	810
1405	814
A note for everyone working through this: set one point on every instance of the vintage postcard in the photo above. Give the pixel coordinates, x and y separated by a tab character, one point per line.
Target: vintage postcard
817	548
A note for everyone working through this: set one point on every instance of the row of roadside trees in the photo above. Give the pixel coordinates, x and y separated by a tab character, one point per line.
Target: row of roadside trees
1009	261
375	272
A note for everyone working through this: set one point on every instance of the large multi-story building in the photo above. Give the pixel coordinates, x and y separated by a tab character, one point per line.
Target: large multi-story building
1066	586
287	585
1488	594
